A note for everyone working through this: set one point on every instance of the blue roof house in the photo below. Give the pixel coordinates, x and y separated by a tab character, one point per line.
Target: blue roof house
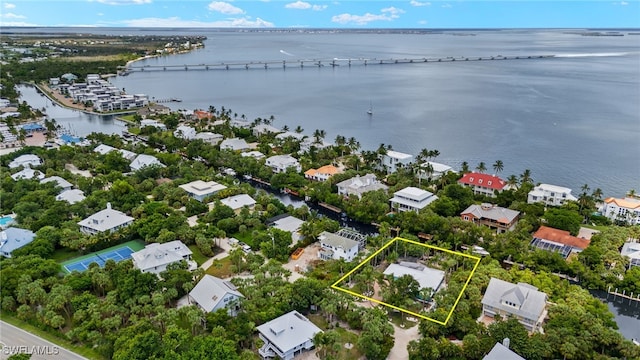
14	238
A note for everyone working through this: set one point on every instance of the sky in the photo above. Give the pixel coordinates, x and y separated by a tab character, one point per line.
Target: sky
359	14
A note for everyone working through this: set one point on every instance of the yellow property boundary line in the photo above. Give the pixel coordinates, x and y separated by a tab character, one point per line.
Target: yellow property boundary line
366	261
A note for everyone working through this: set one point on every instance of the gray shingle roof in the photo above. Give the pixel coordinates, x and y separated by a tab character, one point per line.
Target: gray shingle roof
211	290
501	352
337	241
106	219
529	302
489	211
156	254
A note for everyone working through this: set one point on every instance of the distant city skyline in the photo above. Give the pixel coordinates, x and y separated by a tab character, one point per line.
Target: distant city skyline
432	14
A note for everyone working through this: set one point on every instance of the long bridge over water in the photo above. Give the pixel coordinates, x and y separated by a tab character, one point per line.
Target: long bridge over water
319	63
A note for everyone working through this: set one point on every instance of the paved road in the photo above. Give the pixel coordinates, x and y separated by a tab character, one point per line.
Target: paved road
15	340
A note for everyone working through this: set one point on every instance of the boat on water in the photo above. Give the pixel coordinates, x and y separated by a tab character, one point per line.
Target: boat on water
370	111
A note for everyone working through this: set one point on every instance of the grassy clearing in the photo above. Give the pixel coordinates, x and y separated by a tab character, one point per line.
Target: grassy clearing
81	350
64	254
197	255
220	268
345	337
397	318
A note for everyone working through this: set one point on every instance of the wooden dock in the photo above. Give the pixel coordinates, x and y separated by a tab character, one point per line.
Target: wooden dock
623	295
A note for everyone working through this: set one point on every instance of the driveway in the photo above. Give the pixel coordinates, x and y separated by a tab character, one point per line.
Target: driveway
403	337
15	340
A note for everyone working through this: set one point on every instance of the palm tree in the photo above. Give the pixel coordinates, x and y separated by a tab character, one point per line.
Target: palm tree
631	193
512	181
424	154
597	194
525	177
319	135
498	166
298	129
285	128
464	167
481	168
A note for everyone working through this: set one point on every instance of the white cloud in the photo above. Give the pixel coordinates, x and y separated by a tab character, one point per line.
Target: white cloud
418	3
319	7
12	16
393	11
623	3
17	23
100	14
301	5
224	8
176	22
422	22
9	6
447	6
388	14
124	2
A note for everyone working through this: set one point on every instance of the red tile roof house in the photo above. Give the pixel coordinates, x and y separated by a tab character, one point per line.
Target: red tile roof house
550	239
483	184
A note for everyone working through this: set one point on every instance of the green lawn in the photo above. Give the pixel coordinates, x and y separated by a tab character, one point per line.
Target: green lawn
84	351
197	255
60	255
346	337
246	238
220	268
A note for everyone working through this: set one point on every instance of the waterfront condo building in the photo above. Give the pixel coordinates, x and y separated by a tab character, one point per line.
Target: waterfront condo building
625	210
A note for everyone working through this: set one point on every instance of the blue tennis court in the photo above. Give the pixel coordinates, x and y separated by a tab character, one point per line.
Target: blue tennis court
116	255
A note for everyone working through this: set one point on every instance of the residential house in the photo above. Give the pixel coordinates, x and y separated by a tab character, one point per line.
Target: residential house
359	185
287	336
254	154
28	174
201	190
502	352
155	257
154	123
105	220
288	223
411	199
631	249
482	184
71	196
625	210
153	109
60	182
436	171
495	217
212	293
322	173
280	163
426	277
9	140
550	195
185	132
263	129
14	238
143	160
334	246
201	115
523	301
209	138
234	144
392	160
560	241
26	160
237	202
105	149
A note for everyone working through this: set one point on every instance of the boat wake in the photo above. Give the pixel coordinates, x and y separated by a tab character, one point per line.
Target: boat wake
591	55
286	53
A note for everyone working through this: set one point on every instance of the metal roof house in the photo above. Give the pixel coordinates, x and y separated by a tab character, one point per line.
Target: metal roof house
212	293
359	185
280	163
288	223
200	190
155	257
25	160
234	144
427	277
144	160
502	352
287	336
411	199
237	202
521	300
14	238
334	246
105	220
632	251
71	196
60	182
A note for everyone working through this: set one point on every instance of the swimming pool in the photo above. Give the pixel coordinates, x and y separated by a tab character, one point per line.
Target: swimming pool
6	220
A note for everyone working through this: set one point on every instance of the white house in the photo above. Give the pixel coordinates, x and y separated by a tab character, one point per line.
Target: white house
28	173
154	123
155	257
60	182
200	190
212	293
71	196
185	132
287	336
632	251
626	210
14	238
105	149
322	173
254	154
392	160
143	160
25	160
288	223
105	220
209	137
437	170
502	352
333	246
262	129
551	195
411	199
237	202
280	163
426	277
234	144
359	185
523	301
